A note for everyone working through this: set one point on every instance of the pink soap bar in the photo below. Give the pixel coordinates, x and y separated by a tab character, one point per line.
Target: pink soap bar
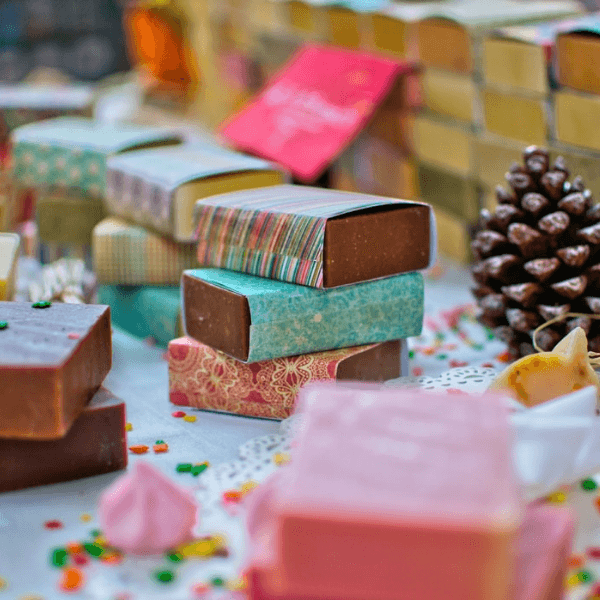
542	551
384	484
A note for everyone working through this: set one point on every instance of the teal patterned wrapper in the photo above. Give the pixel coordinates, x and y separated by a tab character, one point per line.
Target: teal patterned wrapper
72	152
286	319
144	311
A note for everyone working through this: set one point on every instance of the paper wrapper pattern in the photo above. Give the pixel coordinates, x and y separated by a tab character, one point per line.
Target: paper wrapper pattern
127	254
201	377
70	152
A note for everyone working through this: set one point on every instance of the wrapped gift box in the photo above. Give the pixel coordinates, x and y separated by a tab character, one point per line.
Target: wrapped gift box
201	377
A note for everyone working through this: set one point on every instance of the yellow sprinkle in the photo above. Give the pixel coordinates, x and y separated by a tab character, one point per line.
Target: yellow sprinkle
101	540
248	486
189	418
85	517
30	597
199	548
573	581
236	585
3	583
281	458
205	462
557	497
218	541
128	427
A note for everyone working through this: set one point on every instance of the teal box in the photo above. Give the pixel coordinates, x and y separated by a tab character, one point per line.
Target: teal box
286	319
71	152
144	311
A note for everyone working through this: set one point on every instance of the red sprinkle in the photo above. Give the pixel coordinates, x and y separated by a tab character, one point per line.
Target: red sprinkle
593	552
80	559
178	414
232	496
417	371
504	357
73	336
458	363
487	365
455	391
200	589
53	524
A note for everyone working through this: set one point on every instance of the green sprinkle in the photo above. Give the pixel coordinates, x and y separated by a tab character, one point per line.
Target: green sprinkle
164	576
42	304
491	336
175	557
95	533
94	550
59	557
442	356
589	485
439	336
584	576
411	354
197	469
184	467
3	324
477	347
217	582
159	442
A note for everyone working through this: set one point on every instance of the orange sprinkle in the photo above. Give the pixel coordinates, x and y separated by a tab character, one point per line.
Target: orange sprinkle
112	558
232	496
576	560
72	579
504	357
160	448
74	548
139	449
428	351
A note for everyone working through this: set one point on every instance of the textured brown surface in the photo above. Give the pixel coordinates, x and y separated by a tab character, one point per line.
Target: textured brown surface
47	376
221	320
375	243
380	363
95	444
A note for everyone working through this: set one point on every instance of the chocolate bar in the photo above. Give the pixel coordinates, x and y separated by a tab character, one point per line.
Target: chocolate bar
96	443
201	377
314	237
9	253
387	475
54	358
253	318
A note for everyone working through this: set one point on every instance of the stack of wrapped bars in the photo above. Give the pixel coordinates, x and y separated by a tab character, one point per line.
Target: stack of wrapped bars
140	252
449	42
304	284
56	356
64	160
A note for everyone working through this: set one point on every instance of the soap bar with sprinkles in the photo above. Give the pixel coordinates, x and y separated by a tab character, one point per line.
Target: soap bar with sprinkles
53	359
95	444
413	493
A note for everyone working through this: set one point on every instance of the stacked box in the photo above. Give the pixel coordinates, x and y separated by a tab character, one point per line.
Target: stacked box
306	285
452	50
64	161
57	356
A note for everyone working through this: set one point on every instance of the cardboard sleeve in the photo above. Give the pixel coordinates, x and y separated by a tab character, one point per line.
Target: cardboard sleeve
201	377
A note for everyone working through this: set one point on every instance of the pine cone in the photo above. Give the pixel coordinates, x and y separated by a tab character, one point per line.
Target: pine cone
537	256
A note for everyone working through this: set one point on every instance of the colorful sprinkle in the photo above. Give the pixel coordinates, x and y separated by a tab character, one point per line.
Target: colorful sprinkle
585	576
80	560
178	414
189	418
95	533
175	557
128	427
442	356
200	589
3	324
417	371
86	517
55	524
411	354
160	448
248	486
184	467
197	469
281	458
73	336
3	583
217	582
593	552
576	561
139	449
589	485
487	365
504	357
71	579
42	304
94	550
573	580
557	498
237	585
458	363
112	558
164	576
232	496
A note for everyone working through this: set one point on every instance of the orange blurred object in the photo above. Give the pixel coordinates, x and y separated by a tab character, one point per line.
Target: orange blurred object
156	37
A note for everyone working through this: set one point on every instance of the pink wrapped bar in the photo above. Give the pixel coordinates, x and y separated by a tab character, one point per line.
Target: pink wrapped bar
390	495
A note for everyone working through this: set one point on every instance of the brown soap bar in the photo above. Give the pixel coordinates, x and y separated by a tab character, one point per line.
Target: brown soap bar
95	444
52	361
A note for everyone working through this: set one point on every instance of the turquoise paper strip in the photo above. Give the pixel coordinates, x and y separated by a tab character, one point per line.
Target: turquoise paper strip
144	311
288	319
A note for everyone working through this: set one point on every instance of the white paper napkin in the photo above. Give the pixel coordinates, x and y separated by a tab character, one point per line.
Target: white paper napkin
556	443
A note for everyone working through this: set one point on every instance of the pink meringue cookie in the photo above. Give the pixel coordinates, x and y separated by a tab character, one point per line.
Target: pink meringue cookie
144	512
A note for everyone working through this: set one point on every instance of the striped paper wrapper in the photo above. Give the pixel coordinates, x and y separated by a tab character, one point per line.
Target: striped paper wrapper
131	255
